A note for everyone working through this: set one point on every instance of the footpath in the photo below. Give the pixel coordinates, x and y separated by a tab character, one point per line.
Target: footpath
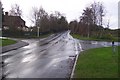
17	45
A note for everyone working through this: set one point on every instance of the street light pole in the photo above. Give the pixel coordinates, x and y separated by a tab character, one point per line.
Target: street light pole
38	31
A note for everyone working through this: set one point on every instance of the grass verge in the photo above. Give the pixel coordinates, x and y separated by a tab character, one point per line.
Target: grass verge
90	38
97	63
5	42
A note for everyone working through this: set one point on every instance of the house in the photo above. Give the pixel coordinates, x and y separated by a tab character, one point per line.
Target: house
13	22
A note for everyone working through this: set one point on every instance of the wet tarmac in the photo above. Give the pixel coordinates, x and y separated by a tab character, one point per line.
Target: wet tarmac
51	57
96	44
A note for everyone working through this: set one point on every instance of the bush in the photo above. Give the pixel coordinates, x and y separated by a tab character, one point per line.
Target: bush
107	37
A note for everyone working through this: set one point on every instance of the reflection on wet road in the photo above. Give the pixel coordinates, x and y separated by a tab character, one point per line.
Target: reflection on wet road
51	57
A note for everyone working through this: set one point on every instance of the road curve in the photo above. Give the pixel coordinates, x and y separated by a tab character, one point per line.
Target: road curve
51	57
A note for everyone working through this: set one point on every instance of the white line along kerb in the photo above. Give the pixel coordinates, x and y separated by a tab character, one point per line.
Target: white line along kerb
77	53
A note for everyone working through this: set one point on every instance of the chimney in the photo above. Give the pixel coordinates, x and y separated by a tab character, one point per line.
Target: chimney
6	13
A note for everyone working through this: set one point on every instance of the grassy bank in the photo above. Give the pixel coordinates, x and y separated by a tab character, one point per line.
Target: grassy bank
5	42
91	38
97	63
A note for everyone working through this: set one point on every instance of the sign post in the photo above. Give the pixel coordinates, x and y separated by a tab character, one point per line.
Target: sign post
113	47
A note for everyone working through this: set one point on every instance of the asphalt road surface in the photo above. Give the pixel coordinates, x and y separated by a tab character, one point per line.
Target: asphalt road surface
51	57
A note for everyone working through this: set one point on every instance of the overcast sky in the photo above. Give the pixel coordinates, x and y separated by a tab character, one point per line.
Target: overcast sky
72	9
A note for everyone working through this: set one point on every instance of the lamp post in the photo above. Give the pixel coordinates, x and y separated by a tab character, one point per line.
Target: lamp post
38	31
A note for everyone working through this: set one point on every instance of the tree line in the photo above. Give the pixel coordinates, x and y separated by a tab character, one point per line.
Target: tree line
54	22
47	23
90	23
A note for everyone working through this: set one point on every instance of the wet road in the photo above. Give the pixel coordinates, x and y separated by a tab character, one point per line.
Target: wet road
51	57
95	44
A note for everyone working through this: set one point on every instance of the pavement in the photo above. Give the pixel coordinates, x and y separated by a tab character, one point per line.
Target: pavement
15	46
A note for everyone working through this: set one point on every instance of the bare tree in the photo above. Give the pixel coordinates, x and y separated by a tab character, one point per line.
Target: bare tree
108	23
101	13
40	19
37	14
91	21
87	19
95	12
98	13
34	15
15	10
54	22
